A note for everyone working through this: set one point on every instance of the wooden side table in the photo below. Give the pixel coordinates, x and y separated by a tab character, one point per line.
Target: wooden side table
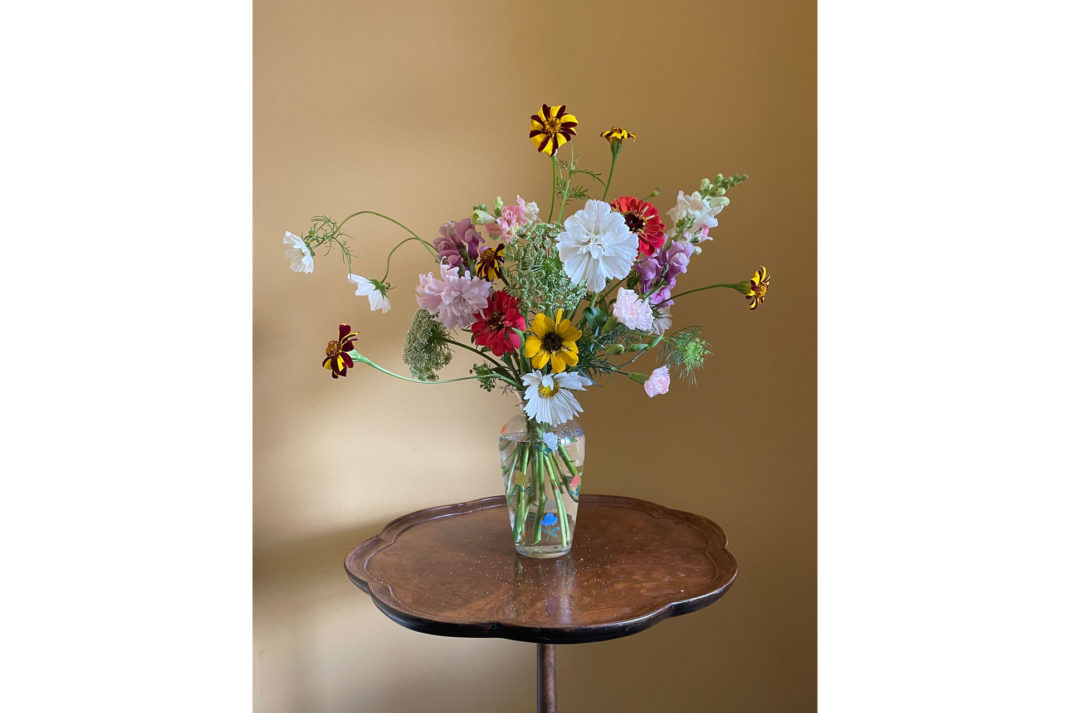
452	571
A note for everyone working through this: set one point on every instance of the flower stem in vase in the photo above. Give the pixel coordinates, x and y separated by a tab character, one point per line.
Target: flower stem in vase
540	487
562	515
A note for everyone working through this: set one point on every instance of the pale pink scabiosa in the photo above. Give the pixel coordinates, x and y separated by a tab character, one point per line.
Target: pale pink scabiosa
658	383
455	299
297	252
697	212
374	290
596	245
460	242
633	312
548	397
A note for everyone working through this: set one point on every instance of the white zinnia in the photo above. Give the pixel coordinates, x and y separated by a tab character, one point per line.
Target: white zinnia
377	298
298	253
632	311
549	397
596	246
703	210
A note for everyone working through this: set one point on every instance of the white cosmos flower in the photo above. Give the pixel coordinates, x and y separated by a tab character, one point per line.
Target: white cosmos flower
596	246
549	397
377	298
298	253
703	210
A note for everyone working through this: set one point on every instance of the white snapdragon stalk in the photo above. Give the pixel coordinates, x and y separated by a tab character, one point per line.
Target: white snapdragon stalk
696	212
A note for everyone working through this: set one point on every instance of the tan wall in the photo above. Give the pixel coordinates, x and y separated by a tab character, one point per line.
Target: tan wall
420	110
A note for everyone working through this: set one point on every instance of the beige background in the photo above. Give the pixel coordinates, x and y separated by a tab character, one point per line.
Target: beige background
420	110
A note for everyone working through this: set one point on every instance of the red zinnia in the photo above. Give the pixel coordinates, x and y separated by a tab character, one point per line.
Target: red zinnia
642	219
495	324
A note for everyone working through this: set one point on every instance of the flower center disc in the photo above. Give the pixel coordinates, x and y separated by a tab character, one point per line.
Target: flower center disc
634	222
548	391
552	342
333	348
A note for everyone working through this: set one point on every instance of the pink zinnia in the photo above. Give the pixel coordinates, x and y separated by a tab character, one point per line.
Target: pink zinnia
658	383
455	299
460	241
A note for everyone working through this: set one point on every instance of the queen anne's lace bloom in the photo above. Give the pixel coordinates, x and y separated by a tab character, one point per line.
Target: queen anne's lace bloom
455	299
633	312
596	246
548	397
298	253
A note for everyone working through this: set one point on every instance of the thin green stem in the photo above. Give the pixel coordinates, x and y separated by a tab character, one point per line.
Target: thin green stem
731	286
609	178
391	254
553	184
562	515
357	356
568	183
401	225
540	487
489	358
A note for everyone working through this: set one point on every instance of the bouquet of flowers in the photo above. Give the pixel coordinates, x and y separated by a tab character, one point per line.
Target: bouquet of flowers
549	304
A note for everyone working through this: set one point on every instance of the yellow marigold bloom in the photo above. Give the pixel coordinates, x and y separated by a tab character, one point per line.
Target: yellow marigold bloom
759	284
552	341
551	128
617	134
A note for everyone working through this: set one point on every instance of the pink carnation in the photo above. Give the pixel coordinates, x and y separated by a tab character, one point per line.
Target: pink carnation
455	299
633	312
658	383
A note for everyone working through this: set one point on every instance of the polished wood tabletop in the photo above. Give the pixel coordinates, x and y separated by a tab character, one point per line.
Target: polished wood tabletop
452	571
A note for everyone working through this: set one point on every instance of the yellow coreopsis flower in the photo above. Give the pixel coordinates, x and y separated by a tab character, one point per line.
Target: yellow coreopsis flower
551	128
552	341
759	284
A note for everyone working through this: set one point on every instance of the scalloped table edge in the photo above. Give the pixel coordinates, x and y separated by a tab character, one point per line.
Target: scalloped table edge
356	564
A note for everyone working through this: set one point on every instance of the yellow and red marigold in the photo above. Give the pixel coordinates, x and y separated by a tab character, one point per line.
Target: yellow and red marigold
337	360
551	128
759	284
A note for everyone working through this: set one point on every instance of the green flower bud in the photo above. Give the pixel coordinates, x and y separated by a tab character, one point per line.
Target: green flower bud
482	217
614	349
638	378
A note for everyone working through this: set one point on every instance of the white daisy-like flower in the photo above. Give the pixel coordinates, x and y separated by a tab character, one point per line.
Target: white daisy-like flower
298	253
375	293
632	311
596	245
549	397
703	210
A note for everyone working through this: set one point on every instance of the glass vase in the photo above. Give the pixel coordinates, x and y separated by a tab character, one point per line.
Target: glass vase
542	467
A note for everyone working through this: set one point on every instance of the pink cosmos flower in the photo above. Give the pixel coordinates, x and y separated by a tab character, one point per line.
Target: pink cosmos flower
454	299
658	383
633	312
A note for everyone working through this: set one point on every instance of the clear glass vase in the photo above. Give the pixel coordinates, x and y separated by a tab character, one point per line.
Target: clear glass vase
542	467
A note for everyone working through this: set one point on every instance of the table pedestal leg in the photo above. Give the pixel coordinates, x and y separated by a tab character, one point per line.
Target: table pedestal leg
546	679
